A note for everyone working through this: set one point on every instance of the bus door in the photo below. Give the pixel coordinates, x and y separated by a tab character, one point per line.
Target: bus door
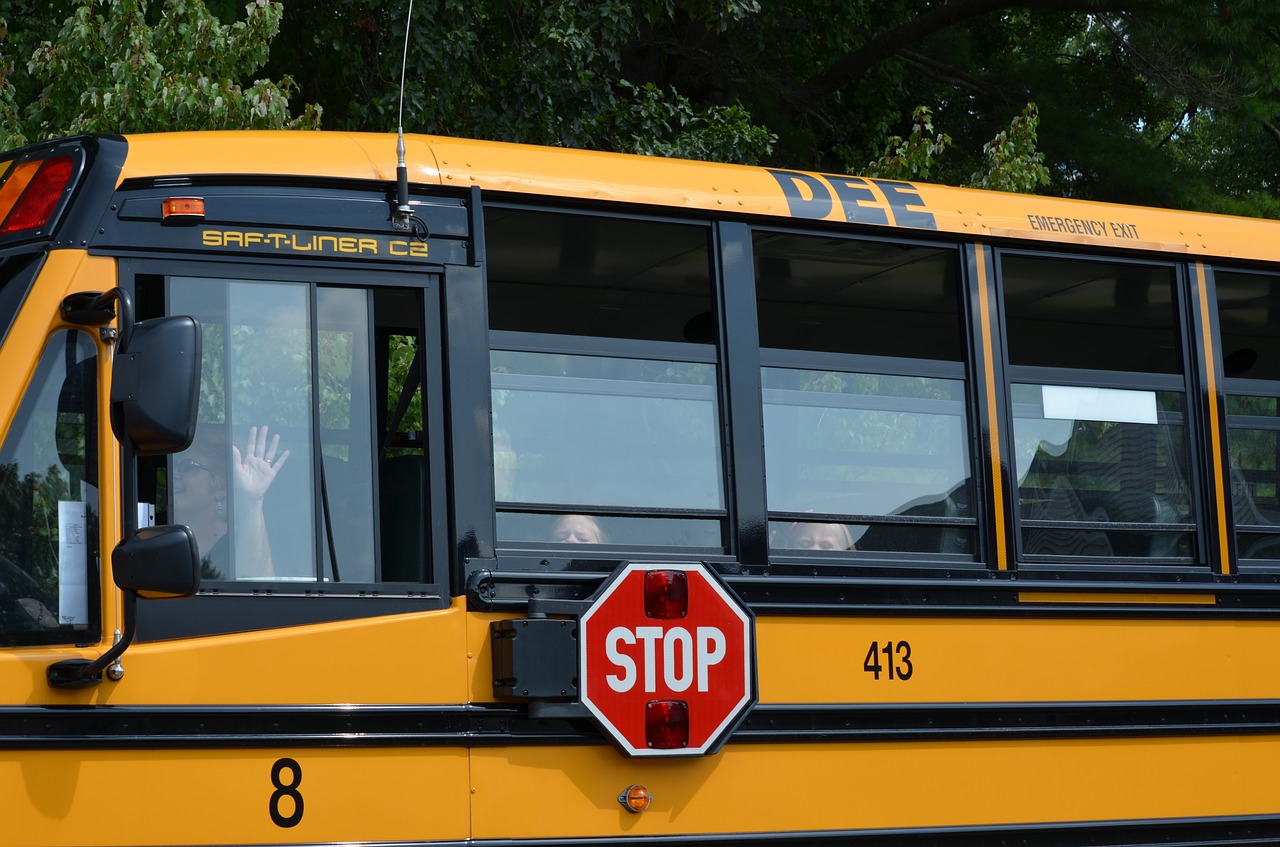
314	687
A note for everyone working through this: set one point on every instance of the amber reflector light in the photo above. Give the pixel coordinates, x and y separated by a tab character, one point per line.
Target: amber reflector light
635	798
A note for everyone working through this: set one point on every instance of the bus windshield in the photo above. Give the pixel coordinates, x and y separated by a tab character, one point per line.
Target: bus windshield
49	501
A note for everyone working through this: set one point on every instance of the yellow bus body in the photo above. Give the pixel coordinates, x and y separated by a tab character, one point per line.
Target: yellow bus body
1063	644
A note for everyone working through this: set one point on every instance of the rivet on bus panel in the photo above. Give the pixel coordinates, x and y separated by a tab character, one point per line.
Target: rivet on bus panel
635	798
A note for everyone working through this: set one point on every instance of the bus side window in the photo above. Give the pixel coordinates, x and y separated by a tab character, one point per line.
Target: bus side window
1098	398
309	463
401	427
866	425
1249	323
49	502
604	382
248	474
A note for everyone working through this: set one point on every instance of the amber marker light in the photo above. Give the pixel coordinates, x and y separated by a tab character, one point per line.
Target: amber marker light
179	211
666	594
635	798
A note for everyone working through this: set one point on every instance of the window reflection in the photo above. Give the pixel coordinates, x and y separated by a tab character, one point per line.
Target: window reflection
1249	319
865	416
1113	485
245	486
49	501
1100	455
605	406
610	435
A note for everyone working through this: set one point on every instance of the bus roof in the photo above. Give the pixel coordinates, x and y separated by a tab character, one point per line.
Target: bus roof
690	185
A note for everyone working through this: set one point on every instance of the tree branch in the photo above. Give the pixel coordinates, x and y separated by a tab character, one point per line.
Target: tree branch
1272	129
853	66
952	75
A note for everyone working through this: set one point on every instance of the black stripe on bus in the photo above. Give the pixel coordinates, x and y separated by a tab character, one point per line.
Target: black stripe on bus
204	727
852	590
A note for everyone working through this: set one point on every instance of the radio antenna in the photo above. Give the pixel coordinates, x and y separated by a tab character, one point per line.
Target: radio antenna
402	215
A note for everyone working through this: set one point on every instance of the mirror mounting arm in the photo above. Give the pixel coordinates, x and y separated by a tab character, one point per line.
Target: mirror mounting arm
154	391
84	673
91	308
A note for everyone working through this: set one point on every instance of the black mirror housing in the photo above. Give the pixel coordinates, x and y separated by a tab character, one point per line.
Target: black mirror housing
158	562
155	386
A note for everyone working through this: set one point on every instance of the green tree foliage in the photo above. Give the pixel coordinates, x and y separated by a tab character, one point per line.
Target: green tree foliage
1012	161
912	157
566	72
127	66
1163	102
1139	99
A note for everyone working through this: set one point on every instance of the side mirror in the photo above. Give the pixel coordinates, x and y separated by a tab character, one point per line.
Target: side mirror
158	562
155	386
155	389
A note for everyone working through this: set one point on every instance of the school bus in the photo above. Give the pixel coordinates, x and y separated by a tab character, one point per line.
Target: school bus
560	497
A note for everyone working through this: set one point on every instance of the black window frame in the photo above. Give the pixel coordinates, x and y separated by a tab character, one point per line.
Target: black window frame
1184	382
226	606
548	557
874	563
1242	386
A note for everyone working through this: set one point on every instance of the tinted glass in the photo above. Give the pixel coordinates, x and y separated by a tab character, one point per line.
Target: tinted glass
1249	322
49	502
245	485
865	429
604	383
1098	406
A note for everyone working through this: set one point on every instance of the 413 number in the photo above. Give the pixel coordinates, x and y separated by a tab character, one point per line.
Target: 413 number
889	657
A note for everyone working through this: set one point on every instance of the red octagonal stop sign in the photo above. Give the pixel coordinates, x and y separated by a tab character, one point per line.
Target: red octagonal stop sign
667	659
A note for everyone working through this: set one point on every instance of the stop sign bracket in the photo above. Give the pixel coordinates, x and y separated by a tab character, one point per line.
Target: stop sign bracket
535	658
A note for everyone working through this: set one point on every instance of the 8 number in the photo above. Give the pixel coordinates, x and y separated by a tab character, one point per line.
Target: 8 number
289	790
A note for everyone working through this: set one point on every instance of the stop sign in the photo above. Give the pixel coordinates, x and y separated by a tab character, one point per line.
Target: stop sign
666	659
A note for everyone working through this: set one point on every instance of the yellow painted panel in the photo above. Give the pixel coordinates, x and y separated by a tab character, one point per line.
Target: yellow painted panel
416	658
153	797
1116	598
591	175
64	271
976	660
820	660
760	788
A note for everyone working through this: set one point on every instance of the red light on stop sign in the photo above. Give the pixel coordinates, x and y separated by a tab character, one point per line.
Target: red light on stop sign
666	724
666	594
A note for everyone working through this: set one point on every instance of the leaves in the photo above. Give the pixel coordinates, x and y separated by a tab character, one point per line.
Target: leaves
1162	102
120	66
914	156
1013	162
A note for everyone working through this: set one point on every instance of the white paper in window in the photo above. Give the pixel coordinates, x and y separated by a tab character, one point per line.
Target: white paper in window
73	570
1073	403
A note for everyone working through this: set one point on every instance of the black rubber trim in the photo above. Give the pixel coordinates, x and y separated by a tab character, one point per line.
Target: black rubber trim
488	725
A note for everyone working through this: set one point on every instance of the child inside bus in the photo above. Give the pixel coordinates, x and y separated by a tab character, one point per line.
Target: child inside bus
819	536
578	529
201	500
